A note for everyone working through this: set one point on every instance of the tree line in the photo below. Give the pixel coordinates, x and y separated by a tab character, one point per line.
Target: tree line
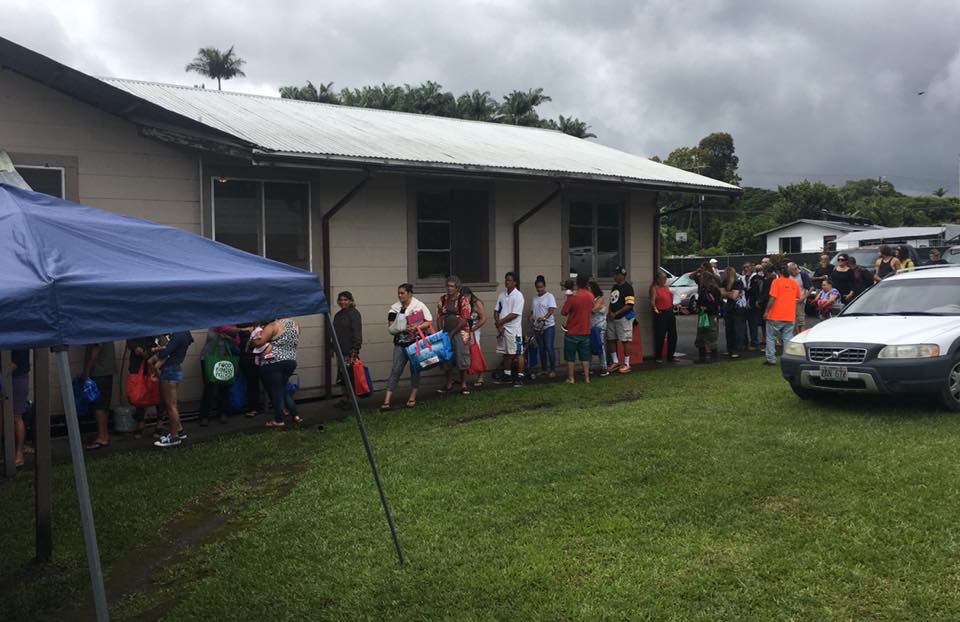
516	107
732	226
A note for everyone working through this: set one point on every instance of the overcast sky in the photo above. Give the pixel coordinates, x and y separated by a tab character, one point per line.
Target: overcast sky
815	89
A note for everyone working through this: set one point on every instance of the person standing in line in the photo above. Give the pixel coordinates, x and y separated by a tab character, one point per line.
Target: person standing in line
823	271
576	342
935	259
733	311
453	312
100	364
545	326
903	254
780	312
886	264
753	284
620	321
861	279
714	267
478	317
709	300
598	327
508	318
664	321
348	326
250	369
216	394
283	336
20	379
803	282
842	277
417	317
168	363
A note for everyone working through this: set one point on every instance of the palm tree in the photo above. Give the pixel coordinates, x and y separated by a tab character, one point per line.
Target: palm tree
574	127
213	63
519	107
940	192
477	106
325	94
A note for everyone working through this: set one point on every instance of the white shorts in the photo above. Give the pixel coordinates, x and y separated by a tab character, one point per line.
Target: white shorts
510	343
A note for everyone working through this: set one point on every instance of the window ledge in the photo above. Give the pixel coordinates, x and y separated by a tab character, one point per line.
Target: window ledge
440	287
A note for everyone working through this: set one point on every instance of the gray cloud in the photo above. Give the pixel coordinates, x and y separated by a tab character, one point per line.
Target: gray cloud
815	89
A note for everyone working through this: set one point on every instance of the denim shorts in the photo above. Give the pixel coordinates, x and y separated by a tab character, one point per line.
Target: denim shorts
171	372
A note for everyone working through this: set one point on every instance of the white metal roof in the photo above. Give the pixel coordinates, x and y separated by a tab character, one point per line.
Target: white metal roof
948	232
292	127
826	224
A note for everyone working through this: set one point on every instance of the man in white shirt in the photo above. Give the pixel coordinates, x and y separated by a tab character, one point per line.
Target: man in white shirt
508	318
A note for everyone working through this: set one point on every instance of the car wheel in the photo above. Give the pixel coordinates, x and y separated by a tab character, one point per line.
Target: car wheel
692	305
950	395
801	392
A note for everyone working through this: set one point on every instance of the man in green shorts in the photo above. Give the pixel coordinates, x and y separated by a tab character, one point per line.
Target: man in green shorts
576	343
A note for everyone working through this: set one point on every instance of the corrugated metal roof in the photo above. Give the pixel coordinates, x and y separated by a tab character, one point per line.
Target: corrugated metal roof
948	232
295	127
826	224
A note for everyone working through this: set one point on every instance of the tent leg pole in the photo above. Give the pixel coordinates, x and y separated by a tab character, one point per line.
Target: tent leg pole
348	386
9	434
83	490
41	473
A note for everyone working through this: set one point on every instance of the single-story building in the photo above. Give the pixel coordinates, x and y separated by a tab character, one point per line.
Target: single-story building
808	235
919	237
366	198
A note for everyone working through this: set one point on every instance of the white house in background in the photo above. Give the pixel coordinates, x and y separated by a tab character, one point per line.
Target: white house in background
919	237
808	236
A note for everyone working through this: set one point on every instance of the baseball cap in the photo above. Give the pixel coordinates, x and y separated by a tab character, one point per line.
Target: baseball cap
713	261
619	270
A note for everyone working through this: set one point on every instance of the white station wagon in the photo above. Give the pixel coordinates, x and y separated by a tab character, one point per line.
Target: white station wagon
900	336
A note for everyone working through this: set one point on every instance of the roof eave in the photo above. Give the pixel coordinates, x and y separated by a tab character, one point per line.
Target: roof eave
306	160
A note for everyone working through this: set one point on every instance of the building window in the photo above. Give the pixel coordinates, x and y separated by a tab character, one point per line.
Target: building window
595	238
48	180
791	245
266	218
453	234
829	243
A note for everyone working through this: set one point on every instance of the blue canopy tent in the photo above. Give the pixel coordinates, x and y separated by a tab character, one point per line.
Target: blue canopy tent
77	275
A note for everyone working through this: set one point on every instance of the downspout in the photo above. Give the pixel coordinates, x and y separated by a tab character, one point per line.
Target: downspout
516	226
656	234
325	241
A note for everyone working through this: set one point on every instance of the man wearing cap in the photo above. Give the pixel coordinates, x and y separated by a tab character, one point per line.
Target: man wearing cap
713	266
620	316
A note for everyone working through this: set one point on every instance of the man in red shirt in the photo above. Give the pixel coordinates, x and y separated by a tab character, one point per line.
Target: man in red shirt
576	342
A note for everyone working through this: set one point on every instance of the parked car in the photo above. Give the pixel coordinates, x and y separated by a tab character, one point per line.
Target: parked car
667	273
952	255
684	290
900	336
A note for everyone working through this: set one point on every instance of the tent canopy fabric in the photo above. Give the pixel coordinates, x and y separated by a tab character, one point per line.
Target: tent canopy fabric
73	274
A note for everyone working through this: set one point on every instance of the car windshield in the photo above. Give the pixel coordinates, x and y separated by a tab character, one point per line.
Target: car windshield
928	296
682	281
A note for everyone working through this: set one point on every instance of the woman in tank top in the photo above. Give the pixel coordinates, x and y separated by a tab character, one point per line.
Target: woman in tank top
886	264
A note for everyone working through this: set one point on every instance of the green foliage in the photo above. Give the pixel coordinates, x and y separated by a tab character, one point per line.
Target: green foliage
325	94
477	106
719	157
217	65
806	199
740	234
520	107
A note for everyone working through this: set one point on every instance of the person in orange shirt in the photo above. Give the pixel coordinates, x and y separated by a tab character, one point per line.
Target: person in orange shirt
781	312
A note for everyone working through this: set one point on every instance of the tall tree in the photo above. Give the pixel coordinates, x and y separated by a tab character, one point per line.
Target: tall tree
477	106
217	65
520	107
574	127
429	98
721	159
807	200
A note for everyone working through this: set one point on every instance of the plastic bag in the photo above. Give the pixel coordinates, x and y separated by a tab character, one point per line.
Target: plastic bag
143	389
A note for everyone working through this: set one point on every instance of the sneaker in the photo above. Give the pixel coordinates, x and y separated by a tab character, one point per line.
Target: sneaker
604	373
182	434
657	360
167	440
769	363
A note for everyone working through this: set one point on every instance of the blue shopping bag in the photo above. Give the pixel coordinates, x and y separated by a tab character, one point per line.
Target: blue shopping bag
237	394
430	351
596	340
85	392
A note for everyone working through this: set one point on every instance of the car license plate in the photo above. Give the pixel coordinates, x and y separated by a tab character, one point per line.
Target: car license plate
833	373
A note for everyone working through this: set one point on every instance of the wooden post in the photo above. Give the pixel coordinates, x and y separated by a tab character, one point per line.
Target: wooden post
42	473
9	435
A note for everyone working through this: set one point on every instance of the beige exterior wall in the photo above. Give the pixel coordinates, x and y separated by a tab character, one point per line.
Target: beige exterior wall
117	169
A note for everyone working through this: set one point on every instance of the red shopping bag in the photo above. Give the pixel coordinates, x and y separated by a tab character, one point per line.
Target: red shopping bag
143	389
477	364
361	379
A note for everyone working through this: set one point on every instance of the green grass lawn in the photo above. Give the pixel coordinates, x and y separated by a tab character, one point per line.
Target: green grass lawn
674	494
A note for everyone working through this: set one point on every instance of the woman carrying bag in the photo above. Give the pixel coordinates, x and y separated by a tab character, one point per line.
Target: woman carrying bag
406	318
348	326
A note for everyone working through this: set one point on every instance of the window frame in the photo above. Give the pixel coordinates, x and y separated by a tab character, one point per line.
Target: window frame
68	165
261	196
787	250
61	169
417	185
829	243
596	198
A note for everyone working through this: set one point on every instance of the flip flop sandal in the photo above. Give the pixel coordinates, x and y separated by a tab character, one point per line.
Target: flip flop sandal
384	407
445	390
478	385
96	445
296	419
275	424
411	403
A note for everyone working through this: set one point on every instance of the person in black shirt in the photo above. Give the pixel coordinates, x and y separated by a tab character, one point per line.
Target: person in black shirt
842	276
824	270
620	321
709	299
769	274
935	259
861	280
